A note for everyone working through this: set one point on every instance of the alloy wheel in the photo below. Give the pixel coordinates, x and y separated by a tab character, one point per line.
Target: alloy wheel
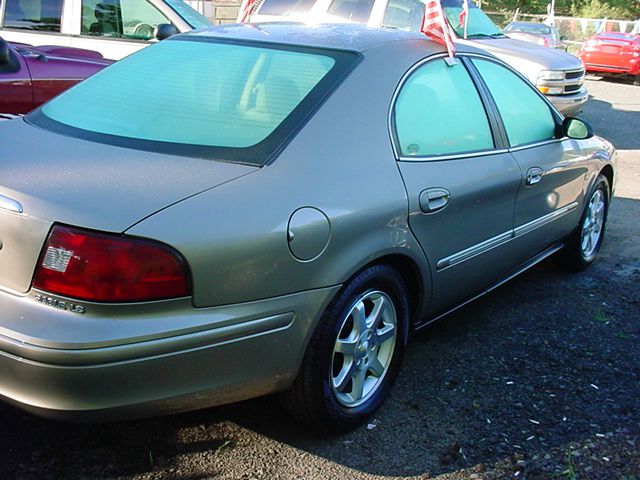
593	224
364	348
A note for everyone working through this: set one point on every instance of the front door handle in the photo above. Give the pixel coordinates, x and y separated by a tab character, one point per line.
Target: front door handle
433	199
534	175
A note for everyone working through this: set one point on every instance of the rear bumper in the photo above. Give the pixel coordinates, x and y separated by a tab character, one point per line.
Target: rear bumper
631	69
569	104
198	358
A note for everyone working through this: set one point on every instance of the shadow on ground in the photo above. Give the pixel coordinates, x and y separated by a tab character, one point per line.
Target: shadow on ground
618	125
549	359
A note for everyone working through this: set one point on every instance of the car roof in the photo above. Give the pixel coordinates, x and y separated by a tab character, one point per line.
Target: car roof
343	36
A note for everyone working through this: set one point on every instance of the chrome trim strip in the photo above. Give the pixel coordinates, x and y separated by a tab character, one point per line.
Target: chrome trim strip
483	153
474	250
10	204
539	222
503	238
537	144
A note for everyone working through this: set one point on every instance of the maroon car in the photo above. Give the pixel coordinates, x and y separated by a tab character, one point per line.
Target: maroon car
613	53
30	76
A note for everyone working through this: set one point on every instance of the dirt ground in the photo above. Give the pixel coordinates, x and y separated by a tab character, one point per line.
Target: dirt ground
539	380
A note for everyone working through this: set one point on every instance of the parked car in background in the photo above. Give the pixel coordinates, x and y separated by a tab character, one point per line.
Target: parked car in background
30	76
557	74
613	53
115	28
331	190
539	33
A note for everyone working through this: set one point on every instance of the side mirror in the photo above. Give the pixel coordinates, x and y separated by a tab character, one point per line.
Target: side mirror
563	37
165	30
5	56
577	128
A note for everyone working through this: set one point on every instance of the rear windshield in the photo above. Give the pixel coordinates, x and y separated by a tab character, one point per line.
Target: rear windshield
236	102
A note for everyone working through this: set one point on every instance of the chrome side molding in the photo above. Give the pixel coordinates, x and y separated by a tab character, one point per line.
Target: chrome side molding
503	238
10	204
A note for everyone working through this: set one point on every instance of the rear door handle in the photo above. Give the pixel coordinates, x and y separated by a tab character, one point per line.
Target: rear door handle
433	199
534	175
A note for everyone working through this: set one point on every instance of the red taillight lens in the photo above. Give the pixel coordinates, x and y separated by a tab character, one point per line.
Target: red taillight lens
102	267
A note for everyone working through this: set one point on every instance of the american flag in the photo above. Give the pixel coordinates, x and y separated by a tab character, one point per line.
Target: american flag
464	16
246	9
435	26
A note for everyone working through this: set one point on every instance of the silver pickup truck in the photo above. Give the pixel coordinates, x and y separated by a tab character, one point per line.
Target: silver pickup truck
557	74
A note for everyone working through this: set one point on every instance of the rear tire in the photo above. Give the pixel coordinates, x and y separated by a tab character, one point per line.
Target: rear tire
354	354
584	243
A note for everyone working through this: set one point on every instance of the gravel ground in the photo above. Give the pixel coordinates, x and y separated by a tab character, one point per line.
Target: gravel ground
538	380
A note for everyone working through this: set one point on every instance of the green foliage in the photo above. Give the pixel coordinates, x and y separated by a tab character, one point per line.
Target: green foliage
612	9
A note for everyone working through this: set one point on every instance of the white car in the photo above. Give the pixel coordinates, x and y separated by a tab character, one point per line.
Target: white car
115	28
557	74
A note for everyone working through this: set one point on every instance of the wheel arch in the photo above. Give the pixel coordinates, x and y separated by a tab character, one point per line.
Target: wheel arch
607	171
416	281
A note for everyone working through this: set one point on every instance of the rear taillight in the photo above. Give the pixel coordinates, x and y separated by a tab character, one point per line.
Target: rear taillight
103	267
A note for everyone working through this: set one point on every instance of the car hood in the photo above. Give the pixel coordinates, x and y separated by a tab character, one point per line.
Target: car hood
63	53
56	178
508	49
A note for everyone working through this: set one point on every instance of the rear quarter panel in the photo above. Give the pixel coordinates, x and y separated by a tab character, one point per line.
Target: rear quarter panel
342	163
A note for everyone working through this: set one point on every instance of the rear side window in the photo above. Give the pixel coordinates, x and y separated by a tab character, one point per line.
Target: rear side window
39	15
439	112
526	117
227	101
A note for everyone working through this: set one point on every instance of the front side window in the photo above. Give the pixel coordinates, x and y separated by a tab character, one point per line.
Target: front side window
404	15
526	117
407	15
132	19
439	112
233	102
39	15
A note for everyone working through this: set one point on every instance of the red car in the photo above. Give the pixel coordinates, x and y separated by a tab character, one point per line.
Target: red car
30	76
617	53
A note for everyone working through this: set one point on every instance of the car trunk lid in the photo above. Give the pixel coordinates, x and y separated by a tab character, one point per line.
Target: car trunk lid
55	178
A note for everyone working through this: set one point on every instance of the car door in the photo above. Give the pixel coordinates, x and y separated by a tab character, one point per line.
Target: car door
16	96
461	184
554	169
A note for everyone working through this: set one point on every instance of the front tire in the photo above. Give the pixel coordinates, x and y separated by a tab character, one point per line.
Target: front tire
584	244
354	354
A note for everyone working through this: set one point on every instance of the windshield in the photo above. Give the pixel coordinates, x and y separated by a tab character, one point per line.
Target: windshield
532	28
478	25
233	102
188	14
